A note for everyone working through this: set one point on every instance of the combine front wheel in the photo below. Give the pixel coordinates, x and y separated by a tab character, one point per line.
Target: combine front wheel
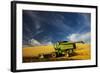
53	55
67	54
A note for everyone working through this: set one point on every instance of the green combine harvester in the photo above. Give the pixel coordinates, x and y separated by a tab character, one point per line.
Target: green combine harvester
63	48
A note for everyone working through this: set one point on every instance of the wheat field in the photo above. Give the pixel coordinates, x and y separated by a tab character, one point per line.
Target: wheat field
82	52
36	50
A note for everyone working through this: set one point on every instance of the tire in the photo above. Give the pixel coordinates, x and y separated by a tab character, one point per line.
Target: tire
67	54
53	55
70	51
41	56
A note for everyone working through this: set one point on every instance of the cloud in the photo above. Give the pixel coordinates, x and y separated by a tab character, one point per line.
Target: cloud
80	37
37	26
34	42
64	26
85	20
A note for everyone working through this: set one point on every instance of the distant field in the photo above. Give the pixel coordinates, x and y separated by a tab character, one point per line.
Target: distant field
82	52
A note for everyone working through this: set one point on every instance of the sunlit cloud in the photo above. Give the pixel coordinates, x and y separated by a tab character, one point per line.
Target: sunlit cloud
34	42
80	37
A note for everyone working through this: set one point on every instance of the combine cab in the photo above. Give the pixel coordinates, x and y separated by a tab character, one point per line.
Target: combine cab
64	48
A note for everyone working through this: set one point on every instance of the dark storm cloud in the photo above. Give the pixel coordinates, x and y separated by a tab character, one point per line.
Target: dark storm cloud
45	26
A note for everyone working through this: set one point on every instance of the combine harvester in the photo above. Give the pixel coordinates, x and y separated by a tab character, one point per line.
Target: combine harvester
64	48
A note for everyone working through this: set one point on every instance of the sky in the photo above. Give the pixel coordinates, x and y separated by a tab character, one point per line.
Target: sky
47	27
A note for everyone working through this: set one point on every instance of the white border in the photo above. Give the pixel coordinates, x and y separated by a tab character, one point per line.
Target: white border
38	65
